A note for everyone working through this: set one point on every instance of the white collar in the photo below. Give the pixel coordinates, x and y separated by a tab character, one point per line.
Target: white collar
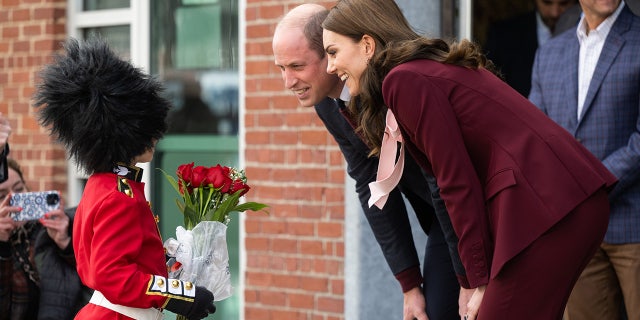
344	95
603	28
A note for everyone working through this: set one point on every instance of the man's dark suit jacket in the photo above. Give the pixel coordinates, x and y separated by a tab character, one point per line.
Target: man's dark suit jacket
390	225
511	45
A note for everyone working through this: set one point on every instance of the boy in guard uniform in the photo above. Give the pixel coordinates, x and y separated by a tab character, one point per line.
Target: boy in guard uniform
109	115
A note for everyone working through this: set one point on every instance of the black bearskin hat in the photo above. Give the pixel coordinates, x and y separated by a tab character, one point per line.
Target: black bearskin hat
103	109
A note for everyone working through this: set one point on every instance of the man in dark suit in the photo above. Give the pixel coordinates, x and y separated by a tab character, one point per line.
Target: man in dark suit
298	50
587	79
512	43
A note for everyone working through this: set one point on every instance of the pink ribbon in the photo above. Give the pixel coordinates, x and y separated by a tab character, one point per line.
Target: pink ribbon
389	172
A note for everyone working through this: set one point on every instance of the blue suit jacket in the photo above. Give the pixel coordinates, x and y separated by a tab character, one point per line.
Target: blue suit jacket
610	123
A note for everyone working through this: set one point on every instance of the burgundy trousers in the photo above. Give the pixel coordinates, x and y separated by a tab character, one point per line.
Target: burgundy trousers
536	284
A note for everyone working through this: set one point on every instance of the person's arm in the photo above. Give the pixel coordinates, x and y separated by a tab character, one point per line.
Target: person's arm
4	168
447	228
55	240
535	95
6	275
624	163
390	226
5	131
6	260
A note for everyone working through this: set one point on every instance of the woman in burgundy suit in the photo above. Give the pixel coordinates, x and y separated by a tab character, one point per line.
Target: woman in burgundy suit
525	198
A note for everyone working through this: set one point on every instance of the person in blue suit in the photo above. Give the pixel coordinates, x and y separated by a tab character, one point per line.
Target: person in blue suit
428	294
588	81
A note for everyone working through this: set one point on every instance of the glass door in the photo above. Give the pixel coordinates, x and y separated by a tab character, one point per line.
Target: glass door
194	51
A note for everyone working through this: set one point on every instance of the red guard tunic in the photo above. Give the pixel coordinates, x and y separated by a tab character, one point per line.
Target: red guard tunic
117	245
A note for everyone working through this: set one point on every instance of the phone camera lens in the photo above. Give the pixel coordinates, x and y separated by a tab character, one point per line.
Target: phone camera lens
52	199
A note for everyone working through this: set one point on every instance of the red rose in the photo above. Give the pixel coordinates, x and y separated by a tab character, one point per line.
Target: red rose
184	172
199	176
238	184
218	176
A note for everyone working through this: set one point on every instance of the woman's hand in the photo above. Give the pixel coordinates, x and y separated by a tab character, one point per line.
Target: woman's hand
414	305
5	131
6	222
463	300
473	306
57	224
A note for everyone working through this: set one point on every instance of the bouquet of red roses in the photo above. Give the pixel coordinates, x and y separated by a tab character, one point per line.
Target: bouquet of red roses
207	196
210	193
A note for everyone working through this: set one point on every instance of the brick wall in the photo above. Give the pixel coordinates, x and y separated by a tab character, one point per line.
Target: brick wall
295	256
30	30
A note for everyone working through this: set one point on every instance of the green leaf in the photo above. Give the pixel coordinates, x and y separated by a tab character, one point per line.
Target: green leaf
253	206
171	180
190	218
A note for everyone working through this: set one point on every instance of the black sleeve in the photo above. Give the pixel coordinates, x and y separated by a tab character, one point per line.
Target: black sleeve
445	223
4	168
390	225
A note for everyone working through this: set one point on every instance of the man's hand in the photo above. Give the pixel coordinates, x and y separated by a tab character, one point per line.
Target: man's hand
414	305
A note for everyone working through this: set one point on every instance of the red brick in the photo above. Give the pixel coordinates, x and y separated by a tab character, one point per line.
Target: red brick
271	11
10	3
20	15
330	230
329	304
314	284
259	31
9	33
31	30
301	301
43	13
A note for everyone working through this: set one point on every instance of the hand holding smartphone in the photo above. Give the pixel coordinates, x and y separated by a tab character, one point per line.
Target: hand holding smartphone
34	204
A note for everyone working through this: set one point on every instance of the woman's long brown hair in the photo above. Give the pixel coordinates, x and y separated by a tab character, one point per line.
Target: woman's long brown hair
396	43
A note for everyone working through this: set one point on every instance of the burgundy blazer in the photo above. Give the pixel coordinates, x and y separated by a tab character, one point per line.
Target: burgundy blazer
507	172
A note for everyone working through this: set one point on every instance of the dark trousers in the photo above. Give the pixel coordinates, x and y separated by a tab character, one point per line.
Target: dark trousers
440	286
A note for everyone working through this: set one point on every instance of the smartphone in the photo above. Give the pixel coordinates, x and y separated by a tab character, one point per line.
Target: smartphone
34	204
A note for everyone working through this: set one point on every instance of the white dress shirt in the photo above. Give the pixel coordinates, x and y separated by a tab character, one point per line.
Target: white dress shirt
591	43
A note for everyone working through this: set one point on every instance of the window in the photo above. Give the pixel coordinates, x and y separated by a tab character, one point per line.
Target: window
194	49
